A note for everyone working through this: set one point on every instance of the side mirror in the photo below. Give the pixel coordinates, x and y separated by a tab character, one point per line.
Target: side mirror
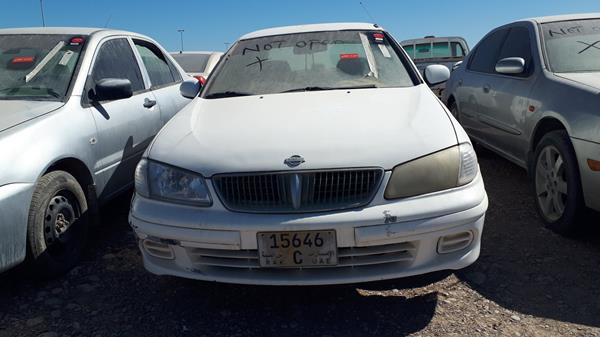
111	89
190	88
511	66
436	74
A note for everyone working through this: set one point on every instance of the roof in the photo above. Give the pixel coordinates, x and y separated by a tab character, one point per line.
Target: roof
433	39
195	52
567	17
60	30
311	28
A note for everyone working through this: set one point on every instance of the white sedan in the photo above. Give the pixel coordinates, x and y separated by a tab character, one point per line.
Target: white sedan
314	155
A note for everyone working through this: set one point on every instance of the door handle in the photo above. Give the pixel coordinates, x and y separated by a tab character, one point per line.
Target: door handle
148	103
460	82
486	88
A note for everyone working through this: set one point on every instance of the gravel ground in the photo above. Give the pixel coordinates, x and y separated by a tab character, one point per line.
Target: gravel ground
527	282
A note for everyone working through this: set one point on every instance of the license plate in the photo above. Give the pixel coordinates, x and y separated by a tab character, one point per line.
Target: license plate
297	249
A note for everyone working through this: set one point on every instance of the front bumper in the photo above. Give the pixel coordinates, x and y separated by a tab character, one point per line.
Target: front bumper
14	212
590	180
400	238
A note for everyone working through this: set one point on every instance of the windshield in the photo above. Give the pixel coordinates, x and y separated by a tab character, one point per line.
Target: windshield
37	67
573	46
192	63
309	61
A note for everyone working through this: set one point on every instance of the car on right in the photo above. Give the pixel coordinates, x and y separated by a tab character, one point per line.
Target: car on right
530	91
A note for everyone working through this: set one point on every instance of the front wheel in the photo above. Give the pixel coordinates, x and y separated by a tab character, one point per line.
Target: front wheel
454	110
557	184
57	226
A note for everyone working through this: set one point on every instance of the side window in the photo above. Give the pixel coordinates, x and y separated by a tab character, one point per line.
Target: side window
410	50
115	59
517	44
457	49
486	54
156	64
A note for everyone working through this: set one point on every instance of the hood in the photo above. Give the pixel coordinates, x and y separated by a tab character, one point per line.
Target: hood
330	129
14	112
591	79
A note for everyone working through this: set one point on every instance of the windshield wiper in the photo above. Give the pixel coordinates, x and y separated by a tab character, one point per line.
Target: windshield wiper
225	94
309	89
366	86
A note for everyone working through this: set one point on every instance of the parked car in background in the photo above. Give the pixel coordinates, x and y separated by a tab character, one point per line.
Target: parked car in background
448	51
530	92
78	107
314	155
198	64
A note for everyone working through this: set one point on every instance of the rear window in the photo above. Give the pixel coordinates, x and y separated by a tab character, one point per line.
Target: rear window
192	63
435	50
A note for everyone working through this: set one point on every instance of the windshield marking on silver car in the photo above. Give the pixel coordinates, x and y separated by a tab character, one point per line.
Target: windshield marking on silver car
592	45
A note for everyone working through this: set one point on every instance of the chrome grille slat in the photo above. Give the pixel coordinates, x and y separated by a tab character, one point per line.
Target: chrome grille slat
355	257
320	190
367	260
375	250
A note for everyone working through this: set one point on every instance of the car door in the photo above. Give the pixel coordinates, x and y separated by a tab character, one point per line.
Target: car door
125	127
164	77
510	92
473	91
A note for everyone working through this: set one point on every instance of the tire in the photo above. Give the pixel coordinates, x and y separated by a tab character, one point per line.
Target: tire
58	224
557	183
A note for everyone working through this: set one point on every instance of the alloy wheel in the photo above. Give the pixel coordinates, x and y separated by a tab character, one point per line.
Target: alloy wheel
551	183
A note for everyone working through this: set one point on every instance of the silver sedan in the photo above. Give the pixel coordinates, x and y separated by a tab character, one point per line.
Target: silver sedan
78	107
530	91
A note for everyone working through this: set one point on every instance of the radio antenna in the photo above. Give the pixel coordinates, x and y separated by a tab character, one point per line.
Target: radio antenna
367	12
108	21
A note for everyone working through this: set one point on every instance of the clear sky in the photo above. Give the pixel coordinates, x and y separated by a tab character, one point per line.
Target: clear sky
209	25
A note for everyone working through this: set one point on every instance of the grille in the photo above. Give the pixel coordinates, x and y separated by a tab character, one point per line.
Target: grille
301	191
347	257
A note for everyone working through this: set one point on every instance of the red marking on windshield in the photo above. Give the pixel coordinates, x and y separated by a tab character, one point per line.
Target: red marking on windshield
25	59
349	56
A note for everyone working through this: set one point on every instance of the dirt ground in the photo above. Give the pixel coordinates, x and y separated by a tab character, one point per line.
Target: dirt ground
527	282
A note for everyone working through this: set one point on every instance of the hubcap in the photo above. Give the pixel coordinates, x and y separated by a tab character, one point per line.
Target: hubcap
551	183
58	220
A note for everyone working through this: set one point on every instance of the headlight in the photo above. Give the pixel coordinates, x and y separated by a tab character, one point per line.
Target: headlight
160	181
439	171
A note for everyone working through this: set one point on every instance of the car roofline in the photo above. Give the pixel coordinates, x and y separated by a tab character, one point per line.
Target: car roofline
320	27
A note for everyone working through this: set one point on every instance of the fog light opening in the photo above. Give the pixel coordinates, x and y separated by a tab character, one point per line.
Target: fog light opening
454	242
158	249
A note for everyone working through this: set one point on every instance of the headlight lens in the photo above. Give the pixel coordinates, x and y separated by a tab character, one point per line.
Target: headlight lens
453	167
160	181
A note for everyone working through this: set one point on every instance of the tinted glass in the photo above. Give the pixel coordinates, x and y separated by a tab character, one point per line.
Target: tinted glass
457	49
37	67
573	46
423	50
116	60
486	54
410	50
441	49
192	63
325	60
517	44
156	64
